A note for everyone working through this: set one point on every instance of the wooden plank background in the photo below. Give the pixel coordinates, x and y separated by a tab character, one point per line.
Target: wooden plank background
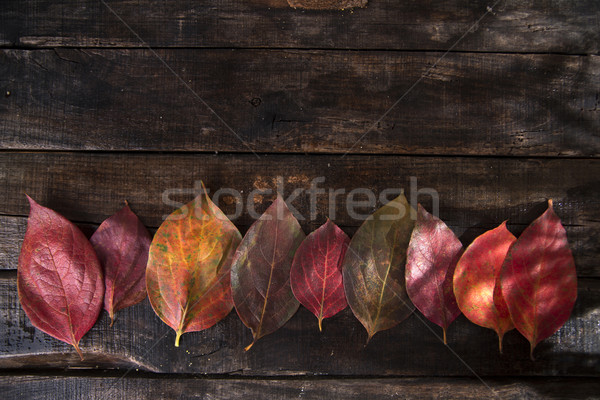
103	101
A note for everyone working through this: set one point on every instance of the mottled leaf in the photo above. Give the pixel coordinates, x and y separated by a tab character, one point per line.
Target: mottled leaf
538	279
316	274
373	267
59	278
432	255
475	281
188	273
121	243
260	275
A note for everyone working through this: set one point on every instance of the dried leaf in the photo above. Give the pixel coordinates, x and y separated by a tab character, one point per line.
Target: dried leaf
188	273
475	281
539	280
260	275
121	243
59	278
316	274
432	255
373	268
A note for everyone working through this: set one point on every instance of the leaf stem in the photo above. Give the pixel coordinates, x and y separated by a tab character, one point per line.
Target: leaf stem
178	335
500	337
76	345
445	341
320	327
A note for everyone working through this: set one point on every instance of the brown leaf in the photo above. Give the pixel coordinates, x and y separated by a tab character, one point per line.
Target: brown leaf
260	275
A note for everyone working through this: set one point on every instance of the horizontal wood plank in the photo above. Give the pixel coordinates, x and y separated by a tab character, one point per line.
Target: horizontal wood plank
82	388
475	194
300	101
139	340
521	26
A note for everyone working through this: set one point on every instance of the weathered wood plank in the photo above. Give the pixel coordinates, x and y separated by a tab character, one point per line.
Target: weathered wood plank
82	388
523	26
300	101
474	193
139	340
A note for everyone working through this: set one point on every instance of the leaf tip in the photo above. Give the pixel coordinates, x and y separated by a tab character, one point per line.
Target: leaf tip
550	203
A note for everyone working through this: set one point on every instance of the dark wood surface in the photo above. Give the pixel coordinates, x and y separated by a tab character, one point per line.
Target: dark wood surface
301	101
71	388
103	101
512	26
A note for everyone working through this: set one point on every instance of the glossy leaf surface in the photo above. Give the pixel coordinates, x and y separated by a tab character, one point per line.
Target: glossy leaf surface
121	243
475	281
432	256
316	274
260	275
539	280
59	277
188	273
373	267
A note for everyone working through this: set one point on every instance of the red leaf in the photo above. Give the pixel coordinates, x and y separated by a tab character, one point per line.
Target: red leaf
316	274
432	255
475	281
121	243
539	280
188	273
260	274
59	278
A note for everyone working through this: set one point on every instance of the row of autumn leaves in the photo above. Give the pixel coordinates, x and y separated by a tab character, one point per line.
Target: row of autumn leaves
198	267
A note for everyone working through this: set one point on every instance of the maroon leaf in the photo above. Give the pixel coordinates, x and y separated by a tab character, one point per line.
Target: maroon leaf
121	243
59	278
539	280
316	274
432	255
260	274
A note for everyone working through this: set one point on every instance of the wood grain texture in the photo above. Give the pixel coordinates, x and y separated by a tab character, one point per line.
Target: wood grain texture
139	340
475	194
530	25
300	101
83	388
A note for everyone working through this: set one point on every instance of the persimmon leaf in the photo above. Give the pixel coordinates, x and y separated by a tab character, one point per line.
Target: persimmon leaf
373	267
538	279
260	275
432	255
316	274
59	278
188	272
475	278
121	243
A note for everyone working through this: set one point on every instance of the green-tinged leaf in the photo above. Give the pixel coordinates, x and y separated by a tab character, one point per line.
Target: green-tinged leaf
260	275
373	267
188	273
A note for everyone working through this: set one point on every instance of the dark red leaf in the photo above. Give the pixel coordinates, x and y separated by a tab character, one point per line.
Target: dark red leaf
121	243
260	274
316	274
475	281
59	278
431	258
539	280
